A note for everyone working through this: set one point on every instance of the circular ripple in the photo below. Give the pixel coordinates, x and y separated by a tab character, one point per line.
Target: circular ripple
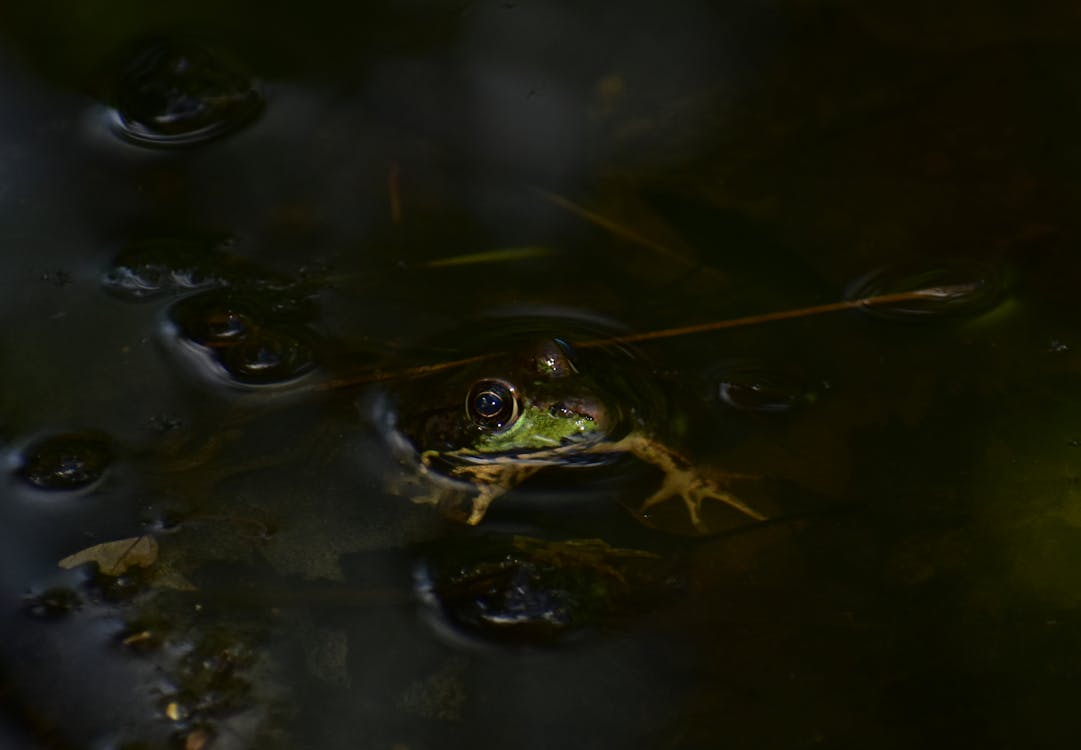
69	461
179	92
949	288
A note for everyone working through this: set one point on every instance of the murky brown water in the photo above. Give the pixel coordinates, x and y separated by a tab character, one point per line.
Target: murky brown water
235	239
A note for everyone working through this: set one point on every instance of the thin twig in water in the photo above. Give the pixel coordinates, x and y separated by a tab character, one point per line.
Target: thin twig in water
619	230
938	293
932	293
394	192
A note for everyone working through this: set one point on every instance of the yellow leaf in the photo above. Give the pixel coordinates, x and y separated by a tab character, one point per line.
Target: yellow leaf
165	577
113	558
502	255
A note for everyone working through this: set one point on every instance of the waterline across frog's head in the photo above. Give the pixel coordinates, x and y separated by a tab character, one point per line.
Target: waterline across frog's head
530	401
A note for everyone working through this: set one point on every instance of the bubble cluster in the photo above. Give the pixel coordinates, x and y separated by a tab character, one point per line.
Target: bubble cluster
246	325
148	269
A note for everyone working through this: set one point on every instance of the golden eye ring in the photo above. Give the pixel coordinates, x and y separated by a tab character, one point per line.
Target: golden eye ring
492	404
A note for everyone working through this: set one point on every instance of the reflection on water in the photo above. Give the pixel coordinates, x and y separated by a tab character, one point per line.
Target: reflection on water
208	535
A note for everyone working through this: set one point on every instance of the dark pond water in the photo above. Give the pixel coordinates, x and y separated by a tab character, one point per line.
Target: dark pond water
273	275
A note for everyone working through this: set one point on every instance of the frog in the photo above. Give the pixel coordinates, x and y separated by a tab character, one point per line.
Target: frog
505	417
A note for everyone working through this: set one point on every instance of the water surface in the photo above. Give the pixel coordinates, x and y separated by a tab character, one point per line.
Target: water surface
217	222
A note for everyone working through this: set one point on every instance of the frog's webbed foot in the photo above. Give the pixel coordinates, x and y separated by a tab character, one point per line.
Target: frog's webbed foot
457	502
694	488
478	504
682	479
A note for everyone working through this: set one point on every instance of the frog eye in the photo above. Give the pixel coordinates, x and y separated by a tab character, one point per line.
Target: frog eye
553	359
492	404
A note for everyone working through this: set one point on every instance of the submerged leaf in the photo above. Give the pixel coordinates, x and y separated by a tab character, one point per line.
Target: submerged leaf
114	558
501	255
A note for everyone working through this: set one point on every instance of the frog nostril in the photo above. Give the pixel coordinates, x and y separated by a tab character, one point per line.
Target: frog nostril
559	409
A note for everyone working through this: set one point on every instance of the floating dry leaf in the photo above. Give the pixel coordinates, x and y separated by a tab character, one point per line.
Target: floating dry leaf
114	558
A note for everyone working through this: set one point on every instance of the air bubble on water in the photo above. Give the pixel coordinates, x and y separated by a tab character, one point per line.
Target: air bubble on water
66	461
752	386
180	92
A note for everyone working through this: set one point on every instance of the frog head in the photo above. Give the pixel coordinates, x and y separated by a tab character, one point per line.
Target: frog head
532	401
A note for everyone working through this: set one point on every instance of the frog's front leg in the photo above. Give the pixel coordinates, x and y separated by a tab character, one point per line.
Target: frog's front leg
487	480
491	481
681	479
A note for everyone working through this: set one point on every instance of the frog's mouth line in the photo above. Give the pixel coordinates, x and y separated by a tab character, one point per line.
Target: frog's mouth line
574	451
